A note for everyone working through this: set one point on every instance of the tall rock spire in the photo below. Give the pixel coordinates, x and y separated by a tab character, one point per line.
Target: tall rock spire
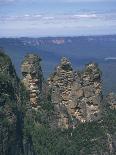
60	84
32	78
92	94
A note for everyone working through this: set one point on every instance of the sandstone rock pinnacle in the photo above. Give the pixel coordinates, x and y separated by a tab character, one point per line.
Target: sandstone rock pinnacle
80	95
32	78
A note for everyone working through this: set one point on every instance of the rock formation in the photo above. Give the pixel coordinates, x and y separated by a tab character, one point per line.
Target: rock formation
32	78
60	84
77	97
92	93
111	99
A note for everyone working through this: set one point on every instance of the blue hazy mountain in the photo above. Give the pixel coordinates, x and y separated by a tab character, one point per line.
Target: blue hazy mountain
80	50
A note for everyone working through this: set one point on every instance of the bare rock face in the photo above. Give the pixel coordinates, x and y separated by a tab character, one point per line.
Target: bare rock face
32	78
60	83
92	94
111	99
78	94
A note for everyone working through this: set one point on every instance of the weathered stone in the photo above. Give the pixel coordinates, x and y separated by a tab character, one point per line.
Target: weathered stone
76	90
111	99
79	93
92	92
32	78
88	91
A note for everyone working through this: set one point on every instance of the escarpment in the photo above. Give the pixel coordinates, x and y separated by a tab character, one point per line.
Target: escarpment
10	114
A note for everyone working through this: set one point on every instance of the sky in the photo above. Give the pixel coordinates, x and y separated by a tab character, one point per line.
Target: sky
40	18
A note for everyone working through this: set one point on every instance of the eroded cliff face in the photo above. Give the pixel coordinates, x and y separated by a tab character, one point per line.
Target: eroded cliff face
10	116
77	96
33	78
13	108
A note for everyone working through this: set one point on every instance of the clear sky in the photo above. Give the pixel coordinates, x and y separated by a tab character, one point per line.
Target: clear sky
37	18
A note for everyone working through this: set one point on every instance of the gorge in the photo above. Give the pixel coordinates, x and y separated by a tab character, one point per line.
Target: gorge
67	114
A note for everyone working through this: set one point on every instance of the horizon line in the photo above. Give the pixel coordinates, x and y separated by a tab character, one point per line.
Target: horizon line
58	36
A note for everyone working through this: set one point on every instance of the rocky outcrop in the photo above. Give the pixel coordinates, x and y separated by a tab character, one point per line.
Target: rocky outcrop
77	96
111	99
33	78
92	94
60	84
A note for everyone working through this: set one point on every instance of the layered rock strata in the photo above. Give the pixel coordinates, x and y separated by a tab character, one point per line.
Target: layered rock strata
32	78
76	96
